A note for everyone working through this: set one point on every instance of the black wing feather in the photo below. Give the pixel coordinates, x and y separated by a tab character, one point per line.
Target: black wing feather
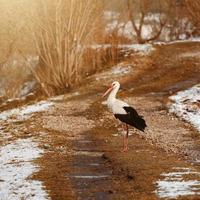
133	118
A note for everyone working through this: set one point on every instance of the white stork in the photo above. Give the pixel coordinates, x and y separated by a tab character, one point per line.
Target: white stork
124	112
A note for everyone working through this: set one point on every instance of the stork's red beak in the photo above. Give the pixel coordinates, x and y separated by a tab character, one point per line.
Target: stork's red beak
109	90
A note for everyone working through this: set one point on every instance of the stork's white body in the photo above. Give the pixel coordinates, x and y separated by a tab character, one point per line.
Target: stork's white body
116	106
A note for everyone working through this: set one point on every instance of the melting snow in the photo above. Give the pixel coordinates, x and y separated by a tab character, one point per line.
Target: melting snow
110	15
27	88
173	185
116	71
120	70
190	54
142	49
187	105
25	111
15	168
192	39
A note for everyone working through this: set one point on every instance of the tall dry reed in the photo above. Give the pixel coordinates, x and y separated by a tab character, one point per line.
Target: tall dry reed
62	28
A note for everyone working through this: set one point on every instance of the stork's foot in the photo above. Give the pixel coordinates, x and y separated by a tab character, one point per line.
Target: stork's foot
125	149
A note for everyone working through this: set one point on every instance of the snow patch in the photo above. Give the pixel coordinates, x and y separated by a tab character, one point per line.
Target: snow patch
16	167
187	105
190	54
99	46
57	98
110	15
138	48
173	185
27	88
116	71
192	39
25	111
120	70
141	49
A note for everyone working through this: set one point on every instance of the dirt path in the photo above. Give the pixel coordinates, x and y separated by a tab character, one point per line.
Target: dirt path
92	163
81	140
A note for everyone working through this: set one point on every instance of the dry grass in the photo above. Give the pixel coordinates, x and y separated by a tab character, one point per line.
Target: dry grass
95	59
104	50
62	29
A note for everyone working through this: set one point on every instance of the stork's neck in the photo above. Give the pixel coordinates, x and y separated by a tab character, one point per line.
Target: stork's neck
112	95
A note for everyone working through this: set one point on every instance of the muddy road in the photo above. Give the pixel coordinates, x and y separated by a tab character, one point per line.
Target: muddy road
82	141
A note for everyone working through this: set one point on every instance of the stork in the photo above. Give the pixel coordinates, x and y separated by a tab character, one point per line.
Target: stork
124	112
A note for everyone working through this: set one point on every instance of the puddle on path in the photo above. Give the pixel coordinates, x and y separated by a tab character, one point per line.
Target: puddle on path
89	173
178	183
87	153
89	177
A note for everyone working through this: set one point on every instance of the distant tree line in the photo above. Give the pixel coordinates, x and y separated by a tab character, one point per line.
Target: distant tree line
179	18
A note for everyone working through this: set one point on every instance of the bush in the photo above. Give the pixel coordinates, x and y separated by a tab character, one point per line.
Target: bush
62	29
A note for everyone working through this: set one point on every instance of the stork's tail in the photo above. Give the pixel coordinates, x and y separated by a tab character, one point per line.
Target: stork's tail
141	124
137	120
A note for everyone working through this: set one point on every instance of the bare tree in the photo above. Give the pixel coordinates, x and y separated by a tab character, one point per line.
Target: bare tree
138	21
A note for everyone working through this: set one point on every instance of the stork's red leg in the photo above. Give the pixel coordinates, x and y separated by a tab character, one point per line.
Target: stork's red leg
125	139
123	128
124	136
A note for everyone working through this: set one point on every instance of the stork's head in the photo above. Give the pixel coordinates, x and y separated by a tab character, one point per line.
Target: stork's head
114	85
